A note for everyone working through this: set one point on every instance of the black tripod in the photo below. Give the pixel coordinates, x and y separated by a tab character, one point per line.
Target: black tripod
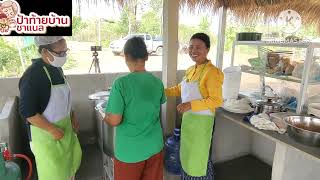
95	63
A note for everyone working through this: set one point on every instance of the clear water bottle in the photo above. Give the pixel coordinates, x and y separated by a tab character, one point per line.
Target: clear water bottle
172	156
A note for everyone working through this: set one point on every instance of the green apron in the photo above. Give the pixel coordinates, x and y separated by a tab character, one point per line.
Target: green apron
196	132
57	159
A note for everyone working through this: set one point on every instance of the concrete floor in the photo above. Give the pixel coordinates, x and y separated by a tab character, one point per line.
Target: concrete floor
91	163
242	168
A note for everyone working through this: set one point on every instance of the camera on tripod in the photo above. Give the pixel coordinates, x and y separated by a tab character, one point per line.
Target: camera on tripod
95	60
96	48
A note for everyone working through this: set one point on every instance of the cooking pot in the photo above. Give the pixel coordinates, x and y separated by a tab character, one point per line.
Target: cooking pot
268	106
100	95
106	132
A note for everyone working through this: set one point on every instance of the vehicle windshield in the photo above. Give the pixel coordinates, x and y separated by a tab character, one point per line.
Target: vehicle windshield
157	38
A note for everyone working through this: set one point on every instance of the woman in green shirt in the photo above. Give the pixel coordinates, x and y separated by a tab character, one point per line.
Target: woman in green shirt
134	108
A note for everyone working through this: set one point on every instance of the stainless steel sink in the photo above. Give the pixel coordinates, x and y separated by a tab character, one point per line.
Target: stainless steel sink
106	133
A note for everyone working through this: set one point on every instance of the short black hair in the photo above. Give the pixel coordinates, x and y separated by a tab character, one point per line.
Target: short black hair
136	48
203	37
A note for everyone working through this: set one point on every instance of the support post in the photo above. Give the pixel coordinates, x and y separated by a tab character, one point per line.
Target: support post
221	36
169	60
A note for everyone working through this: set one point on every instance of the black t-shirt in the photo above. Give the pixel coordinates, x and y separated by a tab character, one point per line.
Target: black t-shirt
35	87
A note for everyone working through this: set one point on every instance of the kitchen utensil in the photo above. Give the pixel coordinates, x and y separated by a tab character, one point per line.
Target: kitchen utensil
106	132
304	129
269	106
101	95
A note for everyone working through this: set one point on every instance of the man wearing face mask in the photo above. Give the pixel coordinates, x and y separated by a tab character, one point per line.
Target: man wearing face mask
45	102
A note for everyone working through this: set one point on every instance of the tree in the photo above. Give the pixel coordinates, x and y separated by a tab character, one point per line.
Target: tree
156	5
204	24
150	23
230	35
131	11
77	25
122	26
185	32
307	31
9	57
10	64
114	30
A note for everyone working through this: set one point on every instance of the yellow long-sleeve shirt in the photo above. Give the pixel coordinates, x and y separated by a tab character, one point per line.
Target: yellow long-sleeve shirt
210	86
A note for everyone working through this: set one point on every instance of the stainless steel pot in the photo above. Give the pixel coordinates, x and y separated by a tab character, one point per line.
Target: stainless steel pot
100	95
106	132
267	107
304	129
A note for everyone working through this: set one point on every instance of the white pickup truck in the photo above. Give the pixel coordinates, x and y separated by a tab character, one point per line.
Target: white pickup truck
153	45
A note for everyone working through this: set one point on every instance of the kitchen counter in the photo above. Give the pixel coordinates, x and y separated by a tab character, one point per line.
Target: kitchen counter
291	160
314	152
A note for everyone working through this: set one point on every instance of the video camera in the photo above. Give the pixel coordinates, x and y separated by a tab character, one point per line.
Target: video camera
95	60
96	48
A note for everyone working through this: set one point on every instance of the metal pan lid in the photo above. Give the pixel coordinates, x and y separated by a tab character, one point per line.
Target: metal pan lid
101	95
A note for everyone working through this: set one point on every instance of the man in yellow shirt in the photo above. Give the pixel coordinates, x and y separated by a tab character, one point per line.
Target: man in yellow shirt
201	94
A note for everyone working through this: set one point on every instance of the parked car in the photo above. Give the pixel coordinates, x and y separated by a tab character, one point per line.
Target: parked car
154	45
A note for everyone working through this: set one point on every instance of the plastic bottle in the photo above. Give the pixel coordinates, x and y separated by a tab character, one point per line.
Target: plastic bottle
172	153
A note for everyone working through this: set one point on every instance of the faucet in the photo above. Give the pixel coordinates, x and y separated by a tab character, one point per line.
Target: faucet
268	87
263	87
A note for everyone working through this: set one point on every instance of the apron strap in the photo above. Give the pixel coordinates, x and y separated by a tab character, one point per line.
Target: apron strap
48	75
63	76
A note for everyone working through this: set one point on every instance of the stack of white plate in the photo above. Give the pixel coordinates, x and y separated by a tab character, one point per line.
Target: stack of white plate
238	106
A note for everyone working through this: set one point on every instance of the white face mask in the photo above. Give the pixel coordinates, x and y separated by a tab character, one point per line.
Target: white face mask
57	61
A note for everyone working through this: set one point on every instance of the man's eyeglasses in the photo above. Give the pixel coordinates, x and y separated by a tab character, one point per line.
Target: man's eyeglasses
60	53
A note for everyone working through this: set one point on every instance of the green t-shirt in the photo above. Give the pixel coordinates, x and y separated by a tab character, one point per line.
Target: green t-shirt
137	97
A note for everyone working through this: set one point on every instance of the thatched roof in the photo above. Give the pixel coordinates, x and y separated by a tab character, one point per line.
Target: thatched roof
248	10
